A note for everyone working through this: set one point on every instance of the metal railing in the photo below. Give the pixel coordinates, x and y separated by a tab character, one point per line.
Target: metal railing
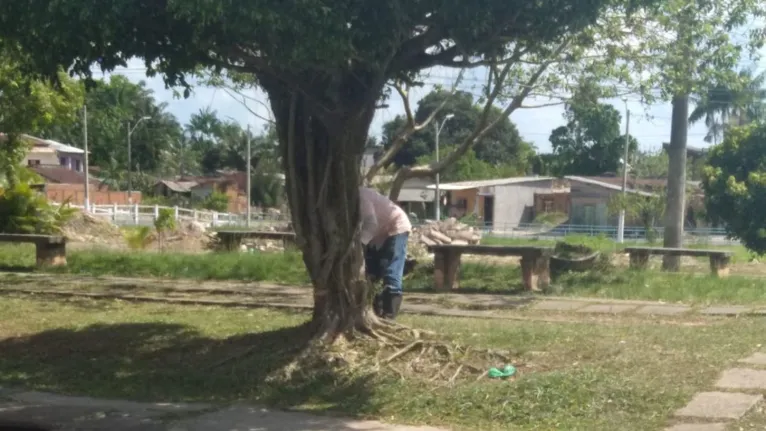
145	215
700	235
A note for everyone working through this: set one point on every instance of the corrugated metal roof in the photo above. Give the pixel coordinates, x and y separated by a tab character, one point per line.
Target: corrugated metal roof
605	185
466	185
64	148
179	186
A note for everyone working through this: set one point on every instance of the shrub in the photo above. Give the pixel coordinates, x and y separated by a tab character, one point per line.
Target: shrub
24	210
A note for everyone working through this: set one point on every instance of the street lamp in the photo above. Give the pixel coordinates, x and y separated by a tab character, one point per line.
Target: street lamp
621	220
437	198
130	163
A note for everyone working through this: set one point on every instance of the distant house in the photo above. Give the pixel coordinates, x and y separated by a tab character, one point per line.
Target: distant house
589	200
694	152
415	197
169	188
231	183
47	152
505	202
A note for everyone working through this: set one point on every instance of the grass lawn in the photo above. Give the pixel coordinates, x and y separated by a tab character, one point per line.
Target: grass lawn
475	276
572	376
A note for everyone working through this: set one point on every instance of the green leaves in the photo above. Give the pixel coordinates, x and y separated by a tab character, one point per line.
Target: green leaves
735	185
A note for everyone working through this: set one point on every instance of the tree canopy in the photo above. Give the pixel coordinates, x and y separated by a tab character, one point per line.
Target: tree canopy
590	143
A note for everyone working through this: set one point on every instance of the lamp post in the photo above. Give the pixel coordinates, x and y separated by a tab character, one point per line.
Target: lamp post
621	220
130	163
437	198
85	157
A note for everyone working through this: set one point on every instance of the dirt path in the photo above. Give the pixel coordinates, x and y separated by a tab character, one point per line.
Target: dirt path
248	294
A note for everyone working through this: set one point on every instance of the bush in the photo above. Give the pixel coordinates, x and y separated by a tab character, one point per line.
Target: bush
735	186
24	210
216	201
139	238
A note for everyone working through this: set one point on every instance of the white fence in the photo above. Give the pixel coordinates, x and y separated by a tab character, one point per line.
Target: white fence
145	215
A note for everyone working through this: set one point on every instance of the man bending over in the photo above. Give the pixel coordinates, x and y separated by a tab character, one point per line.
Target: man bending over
385	230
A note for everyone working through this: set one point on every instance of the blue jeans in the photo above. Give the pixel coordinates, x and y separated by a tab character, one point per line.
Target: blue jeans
387	262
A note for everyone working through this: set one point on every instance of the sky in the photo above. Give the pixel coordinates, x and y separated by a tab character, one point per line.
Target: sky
650	125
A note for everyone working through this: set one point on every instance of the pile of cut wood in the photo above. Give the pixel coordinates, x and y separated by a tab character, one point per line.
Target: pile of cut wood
449	231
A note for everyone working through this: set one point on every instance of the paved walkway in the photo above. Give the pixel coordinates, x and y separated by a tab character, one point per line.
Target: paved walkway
62	413
737	391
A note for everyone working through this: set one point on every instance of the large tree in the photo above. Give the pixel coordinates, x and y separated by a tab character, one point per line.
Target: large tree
688	48
324	66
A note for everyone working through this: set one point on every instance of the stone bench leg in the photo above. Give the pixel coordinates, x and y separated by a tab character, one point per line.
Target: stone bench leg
536	272
231	242
446	269
719	265
51	254
639	260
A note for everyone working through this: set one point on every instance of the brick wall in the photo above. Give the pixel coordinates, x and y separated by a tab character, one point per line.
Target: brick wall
76	195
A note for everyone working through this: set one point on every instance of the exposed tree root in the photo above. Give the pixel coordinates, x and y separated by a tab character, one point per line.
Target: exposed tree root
380	347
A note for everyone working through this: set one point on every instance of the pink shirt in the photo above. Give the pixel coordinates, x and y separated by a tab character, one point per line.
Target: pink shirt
381	217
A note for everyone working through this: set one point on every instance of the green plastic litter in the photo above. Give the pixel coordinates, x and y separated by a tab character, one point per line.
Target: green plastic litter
506	372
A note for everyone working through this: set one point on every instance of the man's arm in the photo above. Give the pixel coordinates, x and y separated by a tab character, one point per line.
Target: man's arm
369	222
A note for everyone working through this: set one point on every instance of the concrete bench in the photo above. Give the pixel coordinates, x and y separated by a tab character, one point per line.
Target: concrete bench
535	263
719	260
51	249
232	239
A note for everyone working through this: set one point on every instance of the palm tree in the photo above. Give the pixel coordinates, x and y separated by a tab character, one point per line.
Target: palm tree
725	105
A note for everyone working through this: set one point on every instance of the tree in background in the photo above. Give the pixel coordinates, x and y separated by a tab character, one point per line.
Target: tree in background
689	49
470	167
590	144
111	105
501	145
28	104
737	102
735	185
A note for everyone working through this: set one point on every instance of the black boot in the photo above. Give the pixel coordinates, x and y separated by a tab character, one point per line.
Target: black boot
391	304
377	305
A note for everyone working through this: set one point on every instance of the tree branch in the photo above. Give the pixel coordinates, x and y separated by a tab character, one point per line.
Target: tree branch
243	102
483	126
408	129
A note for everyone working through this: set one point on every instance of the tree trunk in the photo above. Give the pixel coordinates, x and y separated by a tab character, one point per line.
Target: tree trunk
676	194
321	154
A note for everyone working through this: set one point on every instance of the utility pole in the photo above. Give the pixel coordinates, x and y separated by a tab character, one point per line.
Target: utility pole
130	169
621	220
249	169
85	160
130	161
437	197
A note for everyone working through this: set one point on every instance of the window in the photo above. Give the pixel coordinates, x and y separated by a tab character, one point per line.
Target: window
462	203
547	206
33	162
62	161
77	165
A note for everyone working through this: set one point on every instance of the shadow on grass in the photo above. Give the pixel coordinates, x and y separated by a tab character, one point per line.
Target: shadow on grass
17	268
171	362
